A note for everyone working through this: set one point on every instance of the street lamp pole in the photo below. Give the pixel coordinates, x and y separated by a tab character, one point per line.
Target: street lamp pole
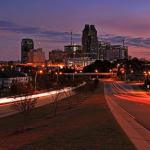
125	76
73	77
57	76
96	71
35	79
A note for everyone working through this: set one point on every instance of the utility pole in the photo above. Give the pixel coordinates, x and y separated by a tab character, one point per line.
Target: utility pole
123	42
71	39
71	42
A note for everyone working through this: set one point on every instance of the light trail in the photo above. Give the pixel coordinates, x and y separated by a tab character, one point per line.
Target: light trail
133	98
130	94
10	100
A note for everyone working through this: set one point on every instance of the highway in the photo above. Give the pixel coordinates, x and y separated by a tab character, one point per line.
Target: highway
131	97
43	99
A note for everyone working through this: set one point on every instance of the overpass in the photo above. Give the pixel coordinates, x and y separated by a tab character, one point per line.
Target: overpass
99	74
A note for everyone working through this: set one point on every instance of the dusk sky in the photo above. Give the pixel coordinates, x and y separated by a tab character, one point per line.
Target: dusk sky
49	23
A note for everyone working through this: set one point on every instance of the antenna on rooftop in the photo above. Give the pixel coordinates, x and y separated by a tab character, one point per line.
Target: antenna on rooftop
72	44
71	41
123	42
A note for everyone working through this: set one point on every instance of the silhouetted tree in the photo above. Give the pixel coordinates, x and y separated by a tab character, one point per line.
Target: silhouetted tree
55	98
24	106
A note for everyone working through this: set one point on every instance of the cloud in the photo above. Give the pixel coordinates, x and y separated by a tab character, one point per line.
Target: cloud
34	31
64	37
130	41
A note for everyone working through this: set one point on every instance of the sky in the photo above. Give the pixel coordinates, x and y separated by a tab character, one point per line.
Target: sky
49	23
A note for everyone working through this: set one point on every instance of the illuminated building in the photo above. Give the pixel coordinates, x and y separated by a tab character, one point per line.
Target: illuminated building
8	77
104	49
73	50
26	46
79	63
57	56
36	57
90	41
112	52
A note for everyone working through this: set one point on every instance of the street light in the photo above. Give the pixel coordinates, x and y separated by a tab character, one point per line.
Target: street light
57	75
60	73
132	71
147	74
96	71
73	75
35	79
41	72
111	71
118	65
124	73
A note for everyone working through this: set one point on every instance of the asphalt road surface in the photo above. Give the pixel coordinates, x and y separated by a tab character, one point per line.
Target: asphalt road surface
6	109
132	99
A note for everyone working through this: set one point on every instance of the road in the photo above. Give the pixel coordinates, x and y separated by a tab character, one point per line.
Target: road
43	99
132	99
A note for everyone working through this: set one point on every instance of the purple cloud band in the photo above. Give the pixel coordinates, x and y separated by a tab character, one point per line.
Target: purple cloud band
63	37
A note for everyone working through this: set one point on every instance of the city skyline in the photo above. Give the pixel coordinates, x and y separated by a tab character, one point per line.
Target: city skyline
50	23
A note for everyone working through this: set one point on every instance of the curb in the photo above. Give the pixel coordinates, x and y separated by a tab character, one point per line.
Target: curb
138	135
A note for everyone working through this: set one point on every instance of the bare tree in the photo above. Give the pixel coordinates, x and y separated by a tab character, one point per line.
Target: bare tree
61	94
56	98
24	106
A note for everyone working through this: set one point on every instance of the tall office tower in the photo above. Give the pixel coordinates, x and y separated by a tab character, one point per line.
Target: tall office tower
86	39
94	40
26	46
90	41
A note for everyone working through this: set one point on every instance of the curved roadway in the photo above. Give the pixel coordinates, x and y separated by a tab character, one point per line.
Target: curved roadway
132	99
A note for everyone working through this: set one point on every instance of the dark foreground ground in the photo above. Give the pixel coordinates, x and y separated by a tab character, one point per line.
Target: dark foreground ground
88	125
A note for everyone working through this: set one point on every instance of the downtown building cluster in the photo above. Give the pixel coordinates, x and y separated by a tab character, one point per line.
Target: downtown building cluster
91	49
101	50
75	55
30	55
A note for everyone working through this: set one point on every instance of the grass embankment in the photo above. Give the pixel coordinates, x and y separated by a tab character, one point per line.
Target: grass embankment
88	125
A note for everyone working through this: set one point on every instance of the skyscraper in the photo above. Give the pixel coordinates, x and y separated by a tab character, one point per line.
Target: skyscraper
86	39
90	41
26	46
